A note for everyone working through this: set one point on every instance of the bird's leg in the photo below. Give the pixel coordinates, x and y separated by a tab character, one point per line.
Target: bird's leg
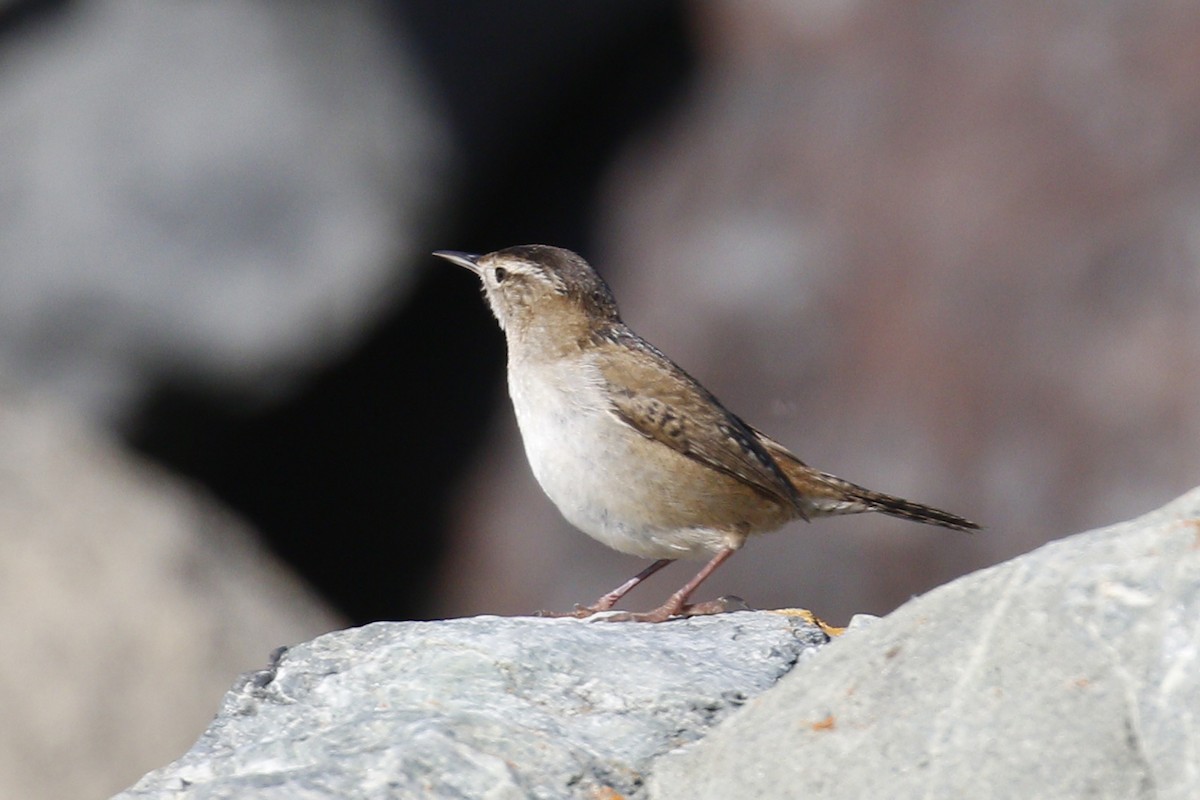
677	604
610	599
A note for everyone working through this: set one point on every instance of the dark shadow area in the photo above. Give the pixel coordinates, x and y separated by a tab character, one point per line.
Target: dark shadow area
349	476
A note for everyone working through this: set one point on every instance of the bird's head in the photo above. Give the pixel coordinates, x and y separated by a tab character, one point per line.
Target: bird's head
542	291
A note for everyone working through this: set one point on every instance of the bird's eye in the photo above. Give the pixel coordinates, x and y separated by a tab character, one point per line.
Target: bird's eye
501	273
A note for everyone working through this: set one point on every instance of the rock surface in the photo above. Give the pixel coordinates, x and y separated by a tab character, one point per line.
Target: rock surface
484	707
1073	671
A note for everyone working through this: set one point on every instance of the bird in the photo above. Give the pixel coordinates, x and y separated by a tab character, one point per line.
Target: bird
631	449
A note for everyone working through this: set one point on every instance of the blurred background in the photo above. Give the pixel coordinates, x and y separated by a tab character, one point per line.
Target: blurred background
947	250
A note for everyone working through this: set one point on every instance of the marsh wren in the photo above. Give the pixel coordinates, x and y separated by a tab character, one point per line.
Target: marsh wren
631	449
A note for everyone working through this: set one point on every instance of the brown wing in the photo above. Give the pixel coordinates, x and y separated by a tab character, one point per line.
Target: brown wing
655	397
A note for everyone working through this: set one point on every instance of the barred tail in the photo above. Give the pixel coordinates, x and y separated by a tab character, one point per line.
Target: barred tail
899	507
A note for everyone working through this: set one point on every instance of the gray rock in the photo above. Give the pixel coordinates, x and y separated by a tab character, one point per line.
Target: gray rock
1069	672
1073	671
484	707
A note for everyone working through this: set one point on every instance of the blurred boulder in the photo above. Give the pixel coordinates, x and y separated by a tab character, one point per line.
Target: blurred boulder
128	602
207	192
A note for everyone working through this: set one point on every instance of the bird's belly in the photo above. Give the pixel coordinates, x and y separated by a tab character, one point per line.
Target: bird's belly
628	492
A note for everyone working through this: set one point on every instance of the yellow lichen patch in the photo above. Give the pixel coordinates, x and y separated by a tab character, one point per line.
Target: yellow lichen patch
827	724
810	617
606	793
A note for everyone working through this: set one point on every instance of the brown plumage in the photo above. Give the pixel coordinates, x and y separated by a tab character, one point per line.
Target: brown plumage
632	449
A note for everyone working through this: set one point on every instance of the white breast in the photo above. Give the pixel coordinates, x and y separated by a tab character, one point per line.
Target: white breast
579	453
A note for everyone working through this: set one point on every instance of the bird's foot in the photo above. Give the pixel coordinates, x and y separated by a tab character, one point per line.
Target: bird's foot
580	612
671	610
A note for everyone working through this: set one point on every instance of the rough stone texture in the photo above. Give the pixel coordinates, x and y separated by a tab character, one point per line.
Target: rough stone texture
128	602
484	707
1073	671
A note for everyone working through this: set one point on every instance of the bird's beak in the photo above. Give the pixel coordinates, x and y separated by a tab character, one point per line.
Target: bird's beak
462	259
